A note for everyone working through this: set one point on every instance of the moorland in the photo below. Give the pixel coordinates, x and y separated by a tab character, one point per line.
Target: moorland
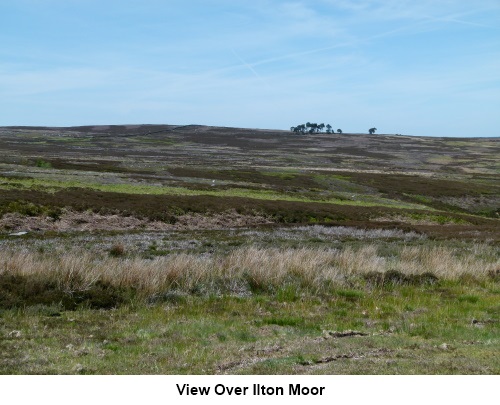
161	249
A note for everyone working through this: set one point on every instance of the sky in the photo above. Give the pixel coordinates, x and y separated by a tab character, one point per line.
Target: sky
427	67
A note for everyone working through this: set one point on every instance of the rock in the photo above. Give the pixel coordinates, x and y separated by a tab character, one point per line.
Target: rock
477	323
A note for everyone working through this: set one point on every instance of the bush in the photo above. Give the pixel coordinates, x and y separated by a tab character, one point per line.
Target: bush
117	250
43	164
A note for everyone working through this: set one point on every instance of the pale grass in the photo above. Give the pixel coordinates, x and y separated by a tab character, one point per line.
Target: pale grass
267	268
443	262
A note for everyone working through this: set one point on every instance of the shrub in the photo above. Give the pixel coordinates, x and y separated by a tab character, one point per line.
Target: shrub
43	164
117	250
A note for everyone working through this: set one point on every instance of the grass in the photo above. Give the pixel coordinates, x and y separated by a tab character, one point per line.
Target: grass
419	309
55	185
242	271
168	208
405	330
198	250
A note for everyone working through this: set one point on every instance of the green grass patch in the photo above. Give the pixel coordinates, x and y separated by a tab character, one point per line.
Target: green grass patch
402	330
350	295
283	321
440	219
268	195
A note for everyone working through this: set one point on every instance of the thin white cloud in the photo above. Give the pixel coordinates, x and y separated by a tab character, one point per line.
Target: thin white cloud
244	63
266	63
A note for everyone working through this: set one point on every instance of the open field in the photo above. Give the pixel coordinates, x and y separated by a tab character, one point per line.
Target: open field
161	249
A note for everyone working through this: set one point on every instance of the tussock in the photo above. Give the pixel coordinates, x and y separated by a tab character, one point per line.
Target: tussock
244	270
442	262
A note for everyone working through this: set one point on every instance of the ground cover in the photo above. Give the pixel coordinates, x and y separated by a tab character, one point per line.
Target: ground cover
191	249
127	188
447	328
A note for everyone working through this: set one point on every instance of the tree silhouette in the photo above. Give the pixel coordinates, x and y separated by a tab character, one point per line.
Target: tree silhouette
313	128
299	128
372	130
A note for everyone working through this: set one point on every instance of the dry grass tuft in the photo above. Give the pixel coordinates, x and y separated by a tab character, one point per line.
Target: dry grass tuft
244	270
443	262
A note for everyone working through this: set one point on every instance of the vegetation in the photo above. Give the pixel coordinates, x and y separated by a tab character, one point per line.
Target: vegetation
429	310
243	271
312	128
164	249
43	164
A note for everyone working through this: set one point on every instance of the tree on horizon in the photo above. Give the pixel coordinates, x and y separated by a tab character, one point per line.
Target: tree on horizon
312	128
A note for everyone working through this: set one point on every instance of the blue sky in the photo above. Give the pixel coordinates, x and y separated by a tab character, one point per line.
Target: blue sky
427	67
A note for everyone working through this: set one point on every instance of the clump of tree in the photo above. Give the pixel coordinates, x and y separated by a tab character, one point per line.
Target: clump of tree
299	129
312	128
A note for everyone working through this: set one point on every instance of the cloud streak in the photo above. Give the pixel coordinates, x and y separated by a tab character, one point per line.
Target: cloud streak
262	64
